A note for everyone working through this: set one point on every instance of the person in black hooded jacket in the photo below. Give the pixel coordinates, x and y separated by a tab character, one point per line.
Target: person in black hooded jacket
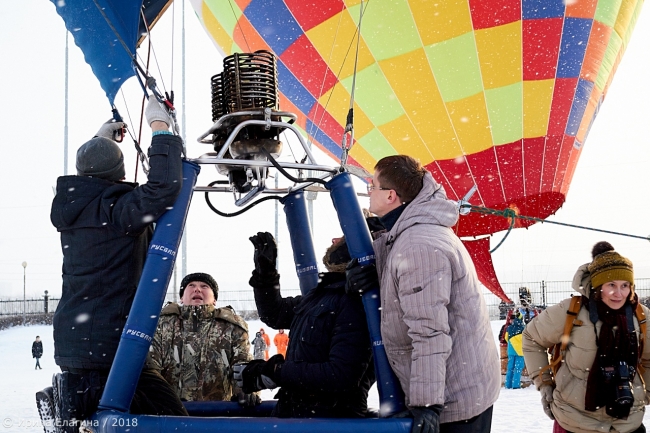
106	226
328	368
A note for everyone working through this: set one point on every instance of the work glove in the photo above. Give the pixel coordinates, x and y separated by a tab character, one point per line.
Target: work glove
425	419
360	278
112	130
247	400
157	111
266	253
258	374
547	399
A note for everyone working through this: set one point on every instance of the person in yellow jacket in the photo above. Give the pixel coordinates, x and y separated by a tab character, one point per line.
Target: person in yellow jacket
281	341
515	352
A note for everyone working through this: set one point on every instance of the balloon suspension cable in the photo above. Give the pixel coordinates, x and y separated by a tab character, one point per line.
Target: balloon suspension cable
348	133
509	213
150	83
239	212
141	155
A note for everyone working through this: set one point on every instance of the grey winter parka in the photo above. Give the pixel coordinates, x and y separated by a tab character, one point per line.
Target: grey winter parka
434	322
568	405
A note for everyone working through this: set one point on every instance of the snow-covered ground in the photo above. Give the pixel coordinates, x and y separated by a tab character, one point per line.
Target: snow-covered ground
516	410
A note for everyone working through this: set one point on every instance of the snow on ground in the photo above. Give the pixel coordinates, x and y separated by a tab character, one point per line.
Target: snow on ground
517	410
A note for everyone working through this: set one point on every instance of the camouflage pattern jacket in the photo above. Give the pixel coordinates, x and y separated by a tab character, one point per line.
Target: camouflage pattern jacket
195	348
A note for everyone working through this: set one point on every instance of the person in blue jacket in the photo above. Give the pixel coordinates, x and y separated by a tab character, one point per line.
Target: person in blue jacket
515	352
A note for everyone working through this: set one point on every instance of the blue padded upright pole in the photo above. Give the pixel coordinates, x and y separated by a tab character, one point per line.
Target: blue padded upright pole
295	208
149	297
357	236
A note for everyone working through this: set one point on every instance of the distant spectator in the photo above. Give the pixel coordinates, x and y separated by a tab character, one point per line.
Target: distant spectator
515	352
37	352
281	341
259	346
267	341
503	350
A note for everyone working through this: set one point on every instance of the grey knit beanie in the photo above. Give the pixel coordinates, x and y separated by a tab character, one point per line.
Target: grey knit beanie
101	157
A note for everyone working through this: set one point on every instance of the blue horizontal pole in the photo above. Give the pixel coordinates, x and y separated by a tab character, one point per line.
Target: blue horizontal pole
115	422
295	208
149	297
357	236
228	408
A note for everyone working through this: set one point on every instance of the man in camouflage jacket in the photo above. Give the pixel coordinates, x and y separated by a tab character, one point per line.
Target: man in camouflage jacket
196	344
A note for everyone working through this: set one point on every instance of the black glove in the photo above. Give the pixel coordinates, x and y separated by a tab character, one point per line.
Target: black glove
258	374
266	253
425	419
360	278
247	400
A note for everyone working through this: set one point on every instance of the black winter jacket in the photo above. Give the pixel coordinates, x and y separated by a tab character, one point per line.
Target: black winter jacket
37	349
105	231
328	369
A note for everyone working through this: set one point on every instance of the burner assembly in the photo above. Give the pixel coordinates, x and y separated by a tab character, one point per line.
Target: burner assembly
247	127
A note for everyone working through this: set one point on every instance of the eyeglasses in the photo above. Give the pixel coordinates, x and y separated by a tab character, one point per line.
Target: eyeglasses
372	187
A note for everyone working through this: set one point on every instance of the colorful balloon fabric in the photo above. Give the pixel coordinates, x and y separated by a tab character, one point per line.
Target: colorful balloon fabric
497	93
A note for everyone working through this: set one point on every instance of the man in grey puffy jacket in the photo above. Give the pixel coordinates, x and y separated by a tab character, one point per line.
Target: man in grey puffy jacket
434	322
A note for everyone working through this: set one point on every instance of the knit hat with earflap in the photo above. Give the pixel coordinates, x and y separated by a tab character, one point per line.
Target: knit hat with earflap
101	157
337	255
203	278
610	266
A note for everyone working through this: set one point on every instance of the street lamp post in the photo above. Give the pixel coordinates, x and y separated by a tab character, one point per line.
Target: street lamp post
24	286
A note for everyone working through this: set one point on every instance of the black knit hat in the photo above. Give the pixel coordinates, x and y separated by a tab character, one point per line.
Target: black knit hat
102	158
204	278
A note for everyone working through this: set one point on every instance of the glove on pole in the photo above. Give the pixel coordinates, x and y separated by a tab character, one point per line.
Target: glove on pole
258	374
247	400
360	278
425	419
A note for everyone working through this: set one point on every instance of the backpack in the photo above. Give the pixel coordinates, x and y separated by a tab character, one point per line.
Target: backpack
557	352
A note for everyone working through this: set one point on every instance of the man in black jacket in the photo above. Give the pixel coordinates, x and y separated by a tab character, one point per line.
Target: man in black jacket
328	369
106	226
37	351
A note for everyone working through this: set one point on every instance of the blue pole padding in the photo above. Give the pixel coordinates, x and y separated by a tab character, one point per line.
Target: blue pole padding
228	408
357	236
295	208
116	422
149	297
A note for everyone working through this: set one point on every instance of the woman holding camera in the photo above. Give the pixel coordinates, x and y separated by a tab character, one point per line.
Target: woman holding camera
600	384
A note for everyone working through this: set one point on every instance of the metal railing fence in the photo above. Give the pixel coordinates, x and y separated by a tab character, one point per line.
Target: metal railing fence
544	293
16	307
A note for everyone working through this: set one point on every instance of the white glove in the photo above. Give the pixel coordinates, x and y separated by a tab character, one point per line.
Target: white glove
547	399
112	130
156	111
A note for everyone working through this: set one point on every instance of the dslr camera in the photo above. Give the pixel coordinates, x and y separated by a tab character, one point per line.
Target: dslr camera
620	376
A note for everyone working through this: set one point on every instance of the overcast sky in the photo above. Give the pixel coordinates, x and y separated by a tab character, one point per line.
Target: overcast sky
609	188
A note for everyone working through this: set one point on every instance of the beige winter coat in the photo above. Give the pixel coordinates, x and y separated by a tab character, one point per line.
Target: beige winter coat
568	405
434	322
